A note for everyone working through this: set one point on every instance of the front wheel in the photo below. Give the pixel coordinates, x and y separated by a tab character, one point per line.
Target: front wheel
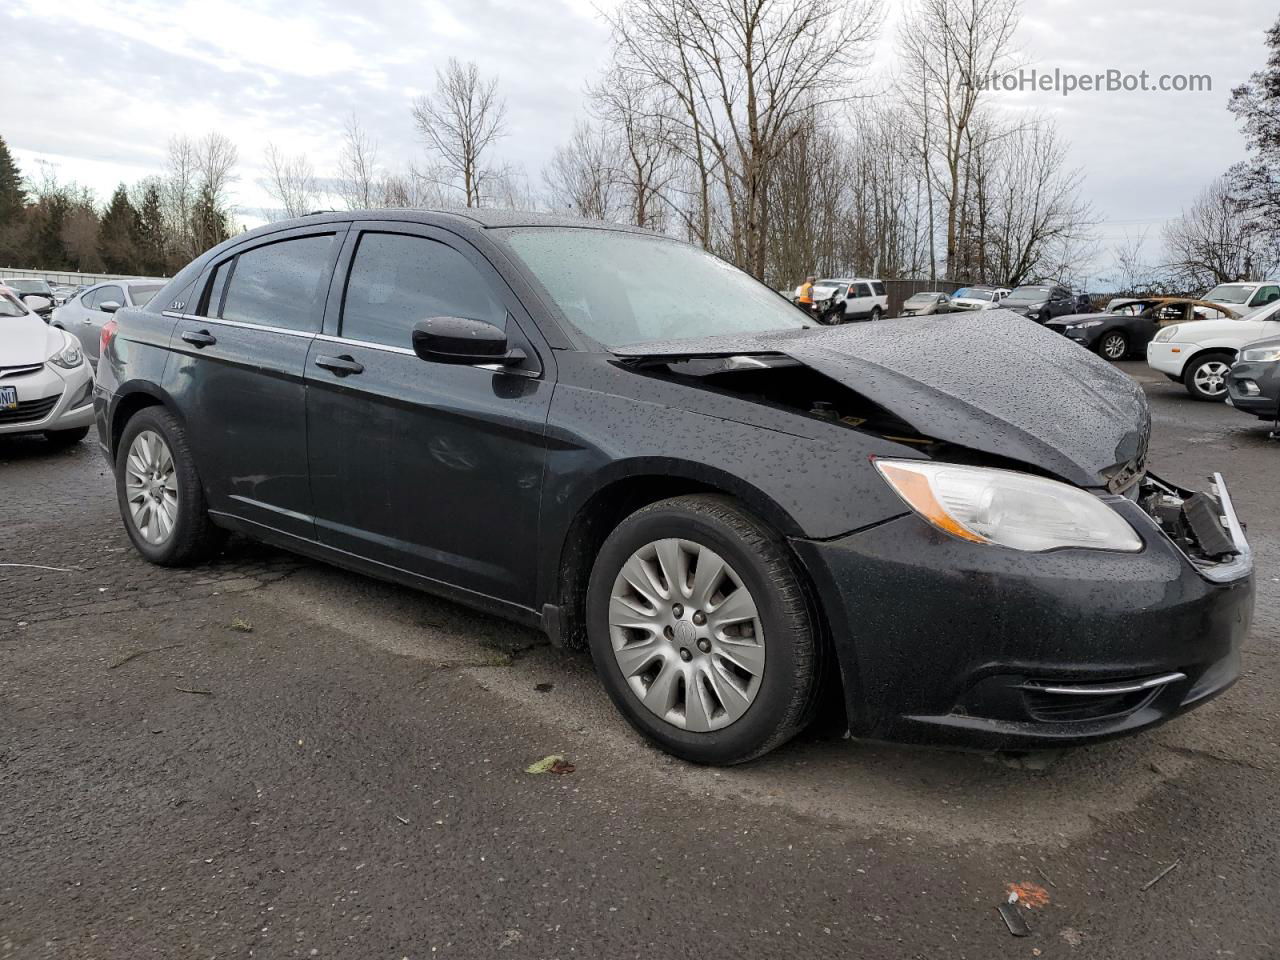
160	495
1206	377
700	630
875	313
1113	346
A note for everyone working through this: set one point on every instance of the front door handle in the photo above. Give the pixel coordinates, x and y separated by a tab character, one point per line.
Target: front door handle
199	338
342	366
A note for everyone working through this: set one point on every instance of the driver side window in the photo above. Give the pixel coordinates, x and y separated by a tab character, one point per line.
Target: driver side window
398	279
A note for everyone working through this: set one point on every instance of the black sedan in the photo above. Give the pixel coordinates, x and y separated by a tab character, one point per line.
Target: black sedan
736	511
1126	327
1253	385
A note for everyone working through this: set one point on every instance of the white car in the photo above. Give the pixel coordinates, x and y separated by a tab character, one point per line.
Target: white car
856	298
46	385
978	298
1200	353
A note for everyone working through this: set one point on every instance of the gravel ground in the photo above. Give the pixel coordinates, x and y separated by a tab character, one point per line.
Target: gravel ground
269	757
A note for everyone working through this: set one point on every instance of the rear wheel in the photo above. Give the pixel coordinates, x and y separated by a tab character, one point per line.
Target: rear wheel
1113	345
700	631
160	495
875	313
1206	377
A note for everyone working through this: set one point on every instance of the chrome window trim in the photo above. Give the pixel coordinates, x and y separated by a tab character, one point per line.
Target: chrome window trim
366	344
241	324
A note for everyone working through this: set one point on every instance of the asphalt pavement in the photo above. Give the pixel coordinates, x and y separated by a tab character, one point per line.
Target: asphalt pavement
268	757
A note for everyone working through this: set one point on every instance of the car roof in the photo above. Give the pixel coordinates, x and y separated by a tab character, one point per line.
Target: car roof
482	218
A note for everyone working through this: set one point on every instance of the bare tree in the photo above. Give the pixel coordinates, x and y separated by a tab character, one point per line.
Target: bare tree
644	161
358	173
579	177
179	192
736	75
1215	241
291	182
460	122
949	48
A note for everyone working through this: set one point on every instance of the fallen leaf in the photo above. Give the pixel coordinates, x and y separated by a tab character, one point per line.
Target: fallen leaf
551	764
1028	893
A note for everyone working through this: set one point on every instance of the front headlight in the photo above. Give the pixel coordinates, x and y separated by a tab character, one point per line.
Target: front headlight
1018	510
1086	323
1168	333
1261	355
70	356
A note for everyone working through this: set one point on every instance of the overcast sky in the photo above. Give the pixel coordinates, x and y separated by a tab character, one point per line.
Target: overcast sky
97	88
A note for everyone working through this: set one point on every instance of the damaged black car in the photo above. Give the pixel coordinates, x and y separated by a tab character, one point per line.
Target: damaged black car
623	440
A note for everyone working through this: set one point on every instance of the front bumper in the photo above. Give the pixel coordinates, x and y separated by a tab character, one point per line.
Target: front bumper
1168	357
1254	388
945	642
50	398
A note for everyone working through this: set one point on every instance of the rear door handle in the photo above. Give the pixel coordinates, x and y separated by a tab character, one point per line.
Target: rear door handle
342	366
199	338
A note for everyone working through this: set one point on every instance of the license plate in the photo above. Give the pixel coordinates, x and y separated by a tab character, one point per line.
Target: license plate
8	398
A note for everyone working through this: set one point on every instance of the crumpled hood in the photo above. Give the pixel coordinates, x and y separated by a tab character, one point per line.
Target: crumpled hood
994	383
26	340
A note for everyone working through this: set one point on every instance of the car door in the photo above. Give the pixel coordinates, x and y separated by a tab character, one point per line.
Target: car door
431	468
1061	302
860	301
88	325
236	375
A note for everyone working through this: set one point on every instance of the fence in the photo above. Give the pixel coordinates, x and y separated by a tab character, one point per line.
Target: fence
63	277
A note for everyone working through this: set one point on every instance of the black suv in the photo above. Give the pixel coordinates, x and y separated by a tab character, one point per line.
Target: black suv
735	510
1040	301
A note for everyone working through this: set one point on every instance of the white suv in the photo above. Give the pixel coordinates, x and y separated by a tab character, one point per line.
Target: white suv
1201	352
1245	296
858	298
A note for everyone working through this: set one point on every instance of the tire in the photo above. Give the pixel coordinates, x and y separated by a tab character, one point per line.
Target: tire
191	537
757	711
1206	377
66	438
1113	345
875	313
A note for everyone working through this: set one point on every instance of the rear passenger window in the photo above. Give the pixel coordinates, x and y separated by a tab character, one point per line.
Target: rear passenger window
280	285
216	287
861	290
397	280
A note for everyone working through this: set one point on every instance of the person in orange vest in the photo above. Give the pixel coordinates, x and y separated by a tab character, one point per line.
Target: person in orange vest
805	295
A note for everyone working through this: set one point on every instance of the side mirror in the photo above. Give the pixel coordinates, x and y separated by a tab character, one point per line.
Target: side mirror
109	307
461	340
36	303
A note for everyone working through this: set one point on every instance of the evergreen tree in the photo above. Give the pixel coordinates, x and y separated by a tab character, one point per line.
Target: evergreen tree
13	200
118	234
209	222
150	241
1256	103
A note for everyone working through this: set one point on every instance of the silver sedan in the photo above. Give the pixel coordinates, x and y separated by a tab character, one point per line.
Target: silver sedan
84	315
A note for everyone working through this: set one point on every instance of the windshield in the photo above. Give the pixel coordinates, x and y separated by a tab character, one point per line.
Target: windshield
1229	293
30	286
924	296
141	296
10	307
972	293
622	288
1029	293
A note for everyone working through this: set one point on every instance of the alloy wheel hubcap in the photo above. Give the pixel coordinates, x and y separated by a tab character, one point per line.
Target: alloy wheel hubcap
1113	347
1211	378
686	635
151	488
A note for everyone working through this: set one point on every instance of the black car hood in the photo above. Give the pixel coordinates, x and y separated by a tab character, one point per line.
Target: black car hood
989	381
1074	318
